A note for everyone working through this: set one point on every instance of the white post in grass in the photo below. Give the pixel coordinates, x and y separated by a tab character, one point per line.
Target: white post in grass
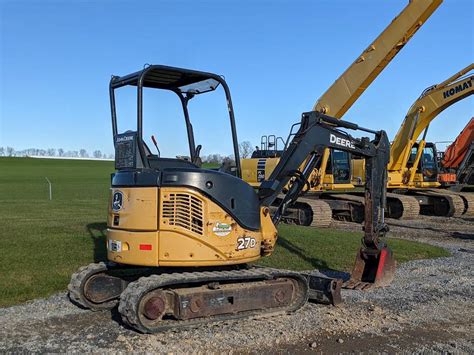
50	189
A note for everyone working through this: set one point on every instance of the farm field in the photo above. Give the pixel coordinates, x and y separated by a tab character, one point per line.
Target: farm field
42	242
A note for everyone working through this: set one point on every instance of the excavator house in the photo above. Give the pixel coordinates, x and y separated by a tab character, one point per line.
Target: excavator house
180	238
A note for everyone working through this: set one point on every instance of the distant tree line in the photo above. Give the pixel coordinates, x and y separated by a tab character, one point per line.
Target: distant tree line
51	152
245	150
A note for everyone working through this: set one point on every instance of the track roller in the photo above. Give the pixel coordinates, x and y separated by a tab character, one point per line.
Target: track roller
180	300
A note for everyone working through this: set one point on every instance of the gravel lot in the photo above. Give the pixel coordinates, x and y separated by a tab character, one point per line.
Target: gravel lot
429	307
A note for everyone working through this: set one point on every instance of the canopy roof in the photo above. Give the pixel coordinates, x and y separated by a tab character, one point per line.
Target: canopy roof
170	78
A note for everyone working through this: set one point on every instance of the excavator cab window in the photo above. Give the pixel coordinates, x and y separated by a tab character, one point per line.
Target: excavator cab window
428	165
339	165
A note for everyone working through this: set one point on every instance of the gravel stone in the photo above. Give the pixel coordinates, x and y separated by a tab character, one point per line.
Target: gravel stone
428	308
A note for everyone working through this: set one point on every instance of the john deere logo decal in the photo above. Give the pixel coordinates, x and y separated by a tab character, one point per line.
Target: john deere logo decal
222	229
117	201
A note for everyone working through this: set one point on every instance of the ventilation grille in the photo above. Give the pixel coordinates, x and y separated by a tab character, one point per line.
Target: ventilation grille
185	211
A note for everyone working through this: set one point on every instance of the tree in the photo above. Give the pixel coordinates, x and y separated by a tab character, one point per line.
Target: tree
51	152
83	153
2	151
10	151
61	152
245	149
97	154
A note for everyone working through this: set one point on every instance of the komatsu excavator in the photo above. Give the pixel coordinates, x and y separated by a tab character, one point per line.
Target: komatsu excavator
413	167
334	170
180	238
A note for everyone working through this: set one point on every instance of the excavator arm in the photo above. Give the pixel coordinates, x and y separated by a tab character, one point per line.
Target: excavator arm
317	132
342	94
430	104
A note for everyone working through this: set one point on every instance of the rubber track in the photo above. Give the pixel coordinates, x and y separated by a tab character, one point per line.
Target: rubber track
76	285
468	200
321	211
455	201
411	207
131	296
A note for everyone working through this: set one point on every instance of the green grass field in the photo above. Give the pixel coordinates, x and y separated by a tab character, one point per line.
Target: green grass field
42	242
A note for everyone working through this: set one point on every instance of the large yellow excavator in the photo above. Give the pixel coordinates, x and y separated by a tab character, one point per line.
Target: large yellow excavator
333	171
413	167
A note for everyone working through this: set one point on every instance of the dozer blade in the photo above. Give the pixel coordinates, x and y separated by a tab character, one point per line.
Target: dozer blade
372	269
323	289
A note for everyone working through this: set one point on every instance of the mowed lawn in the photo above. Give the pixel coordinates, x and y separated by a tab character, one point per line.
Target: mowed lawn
42	242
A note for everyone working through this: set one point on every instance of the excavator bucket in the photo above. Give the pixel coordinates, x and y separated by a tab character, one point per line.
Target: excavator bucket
372	269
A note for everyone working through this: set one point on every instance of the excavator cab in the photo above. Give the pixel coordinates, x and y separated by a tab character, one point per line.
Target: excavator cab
427	168
187	85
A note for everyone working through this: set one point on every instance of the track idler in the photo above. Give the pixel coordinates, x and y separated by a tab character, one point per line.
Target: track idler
372	268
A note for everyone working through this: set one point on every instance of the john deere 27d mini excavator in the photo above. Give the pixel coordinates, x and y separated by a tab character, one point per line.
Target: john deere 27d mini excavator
180	237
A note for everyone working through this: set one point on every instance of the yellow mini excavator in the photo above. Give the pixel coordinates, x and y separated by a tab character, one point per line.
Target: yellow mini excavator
180	238
334	172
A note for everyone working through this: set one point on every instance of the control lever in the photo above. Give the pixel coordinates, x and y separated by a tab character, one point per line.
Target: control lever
197	160
156	145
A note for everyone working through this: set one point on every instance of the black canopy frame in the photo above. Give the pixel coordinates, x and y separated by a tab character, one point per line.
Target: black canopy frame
186	84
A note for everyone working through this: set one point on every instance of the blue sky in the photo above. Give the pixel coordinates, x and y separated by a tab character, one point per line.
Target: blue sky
278	57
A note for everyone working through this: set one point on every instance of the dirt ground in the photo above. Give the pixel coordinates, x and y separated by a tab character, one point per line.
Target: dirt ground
429	307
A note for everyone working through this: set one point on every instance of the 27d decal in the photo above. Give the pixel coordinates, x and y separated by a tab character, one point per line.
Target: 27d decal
245	243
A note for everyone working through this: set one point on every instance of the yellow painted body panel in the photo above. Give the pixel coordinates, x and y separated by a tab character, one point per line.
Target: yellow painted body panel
190	230
358	172
330	185
251	173
130	243
144	200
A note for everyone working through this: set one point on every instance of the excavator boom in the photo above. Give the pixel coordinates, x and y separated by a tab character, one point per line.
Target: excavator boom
356	79
342	94
334	173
